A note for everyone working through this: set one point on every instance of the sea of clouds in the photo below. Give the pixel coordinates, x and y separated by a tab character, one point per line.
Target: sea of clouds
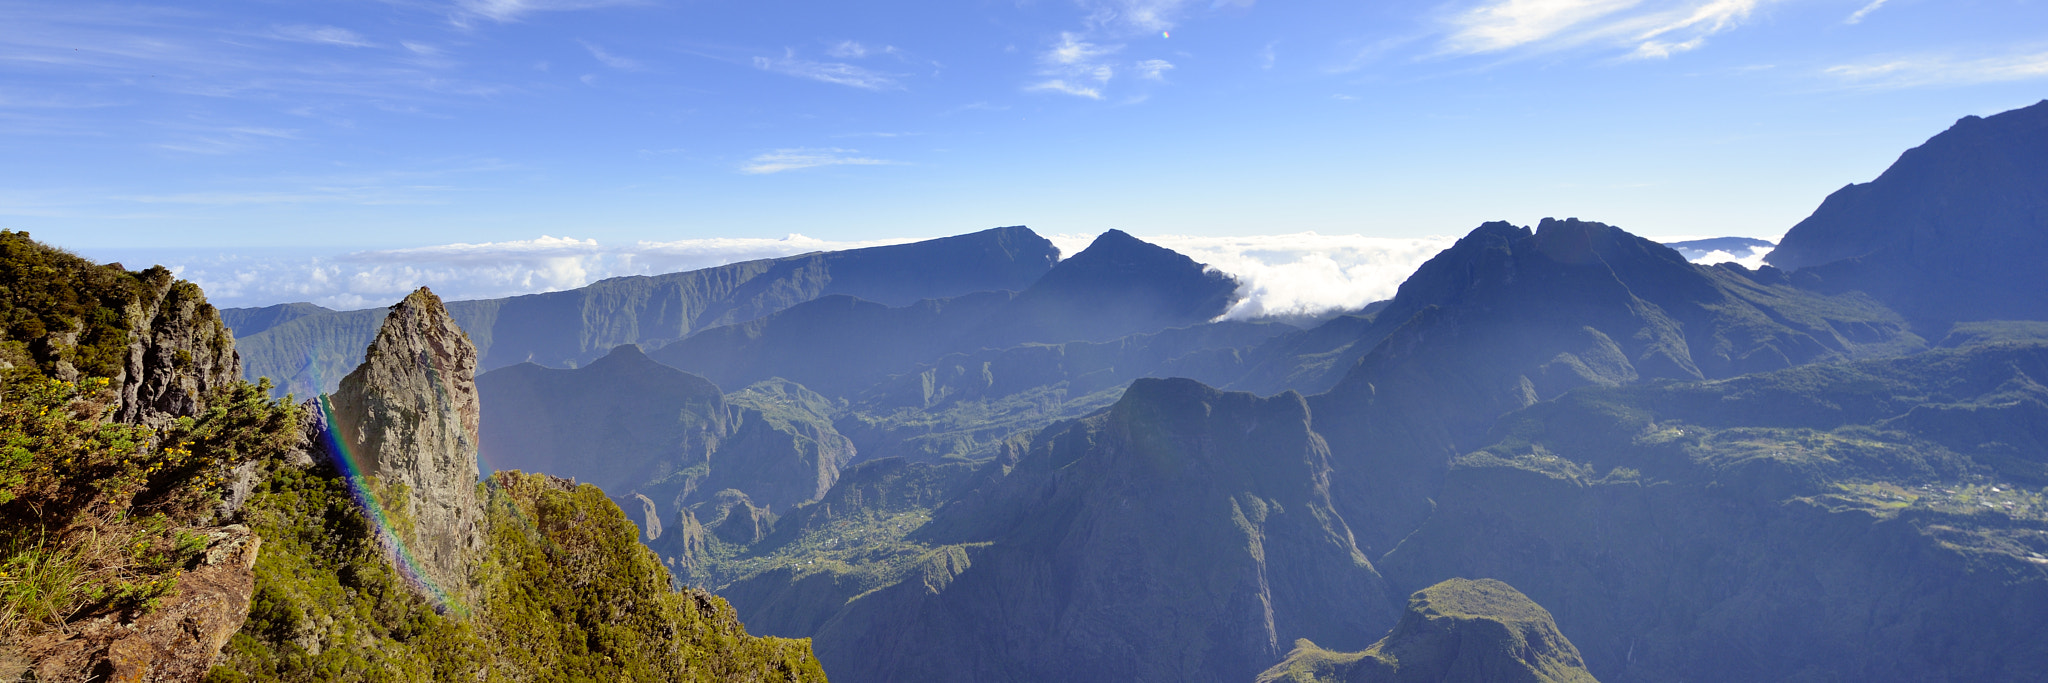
1294	275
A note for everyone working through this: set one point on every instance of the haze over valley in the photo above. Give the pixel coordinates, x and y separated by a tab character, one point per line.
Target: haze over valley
1084	341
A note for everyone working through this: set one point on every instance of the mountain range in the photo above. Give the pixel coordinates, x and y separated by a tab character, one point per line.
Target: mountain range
969	459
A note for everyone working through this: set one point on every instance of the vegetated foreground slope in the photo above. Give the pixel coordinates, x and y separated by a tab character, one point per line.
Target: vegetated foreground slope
396	563
307	351
154	509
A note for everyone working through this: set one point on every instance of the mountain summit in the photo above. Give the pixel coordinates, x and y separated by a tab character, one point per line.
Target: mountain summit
1955	230
1119	285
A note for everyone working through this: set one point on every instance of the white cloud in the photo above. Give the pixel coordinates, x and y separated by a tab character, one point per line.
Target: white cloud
1752	259
329	35
1938	70
1061	86
800	158
1076	67
1136	16
512	10
1154	69
1504	24
611	60
847	49
829	72
1302	274
1857	18
1645	28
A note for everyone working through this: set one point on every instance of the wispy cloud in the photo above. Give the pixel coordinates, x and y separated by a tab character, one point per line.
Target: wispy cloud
512	10
1076	67
609	59
1857	18
1504	24
1136	16
328	35
1646	29
1154	69
1940	70
804	157
829	72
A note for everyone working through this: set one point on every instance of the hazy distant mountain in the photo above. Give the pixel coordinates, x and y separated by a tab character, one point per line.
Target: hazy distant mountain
1508	317
248	321
1118	286
1955	230
309	354
631	425
837	345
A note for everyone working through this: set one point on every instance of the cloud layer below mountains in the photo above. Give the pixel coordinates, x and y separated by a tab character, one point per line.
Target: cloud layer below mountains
1301	274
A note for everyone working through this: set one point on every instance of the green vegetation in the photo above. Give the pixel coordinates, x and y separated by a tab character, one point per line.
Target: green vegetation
95	516
63	314
566	593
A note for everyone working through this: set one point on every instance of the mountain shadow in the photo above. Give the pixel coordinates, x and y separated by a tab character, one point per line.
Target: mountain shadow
1955	230
631	425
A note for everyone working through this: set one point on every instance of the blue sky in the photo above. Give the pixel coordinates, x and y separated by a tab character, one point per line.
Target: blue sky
400	123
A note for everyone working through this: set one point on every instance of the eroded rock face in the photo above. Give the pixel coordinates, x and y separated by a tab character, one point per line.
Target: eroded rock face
179	640
178	351
408	416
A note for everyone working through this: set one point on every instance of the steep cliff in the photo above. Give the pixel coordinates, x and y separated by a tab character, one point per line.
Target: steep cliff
1457	631
1185	534
408	416
1955	230
179	352
631	425
307	354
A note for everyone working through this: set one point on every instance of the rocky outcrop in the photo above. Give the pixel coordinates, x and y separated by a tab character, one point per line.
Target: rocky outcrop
177	641
1457	631
178	352
408	416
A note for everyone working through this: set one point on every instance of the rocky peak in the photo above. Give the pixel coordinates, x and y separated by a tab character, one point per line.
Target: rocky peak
1119	285
409	417
178	352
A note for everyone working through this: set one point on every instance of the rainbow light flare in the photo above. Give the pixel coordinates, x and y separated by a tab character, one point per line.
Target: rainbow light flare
408	566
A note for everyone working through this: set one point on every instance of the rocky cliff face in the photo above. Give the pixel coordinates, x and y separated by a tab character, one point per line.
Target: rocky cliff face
178	352
1185	534
408	416
570	328
1457	631
1955	230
